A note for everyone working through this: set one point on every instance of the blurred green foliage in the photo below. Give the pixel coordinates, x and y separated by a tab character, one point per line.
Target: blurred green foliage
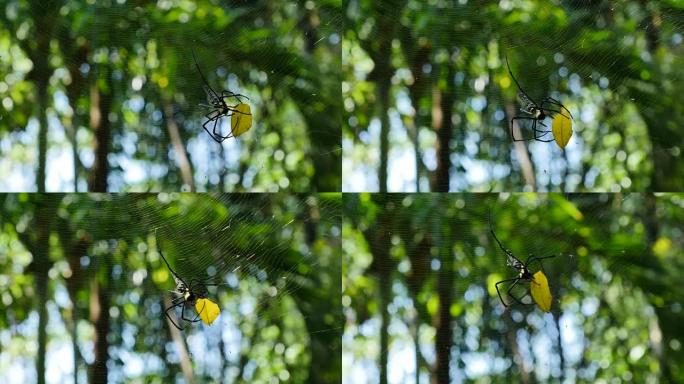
446	122
428	264
277	257
116	83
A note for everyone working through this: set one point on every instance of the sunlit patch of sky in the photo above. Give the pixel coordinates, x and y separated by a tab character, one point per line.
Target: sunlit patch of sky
19	175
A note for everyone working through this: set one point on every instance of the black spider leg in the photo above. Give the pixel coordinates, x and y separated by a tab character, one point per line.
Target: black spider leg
550	111
219	114
515	80
538	134
224	94
202	75
515	281
534	122
233	94
166	312
186	319
218	134
551	100
548	99
198	314
185	303
214	135
517	299
534	119
202	289
499	292
175	275
532	259
505	251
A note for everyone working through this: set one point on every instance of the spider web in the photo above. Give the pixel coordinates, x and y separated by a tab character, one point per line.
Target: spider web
259	257
581	212
283	55
278	72
274	256
600	231
567	50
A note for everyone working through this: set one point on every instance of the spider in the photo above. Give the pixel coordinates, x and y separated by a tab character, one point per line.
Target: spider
523	270
536	112
219	108
188	294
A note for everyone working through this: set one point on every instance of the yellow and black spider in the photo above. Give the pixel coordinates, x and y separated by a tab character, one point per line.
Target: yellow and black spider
240	113
538	283
536	112
193	294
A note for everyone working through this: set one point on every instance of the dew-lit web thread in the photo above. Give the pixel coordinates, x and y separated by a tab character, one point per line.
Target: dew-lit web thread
271	264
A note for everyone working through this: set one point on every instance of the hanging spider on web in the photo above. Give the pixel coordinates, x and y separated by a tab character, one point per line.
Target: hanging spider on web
191	295
539	286
240	114
538	112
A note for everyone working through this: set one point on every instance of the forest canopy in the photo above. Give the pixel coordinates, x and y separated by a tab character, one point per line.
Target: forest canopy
105	96
84	289
429	100
421	271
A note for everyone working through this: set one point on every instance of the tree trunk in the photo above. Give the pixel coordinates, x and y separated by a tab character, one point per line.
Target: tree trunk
522	154
383	102
177	337
74	248
445	286
99	316
385	297
524	375
39	267
100	106
178	147
417	54
76	57
70	129
445	130
42	85
380	51
653	231
324	345
42	265
378	238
